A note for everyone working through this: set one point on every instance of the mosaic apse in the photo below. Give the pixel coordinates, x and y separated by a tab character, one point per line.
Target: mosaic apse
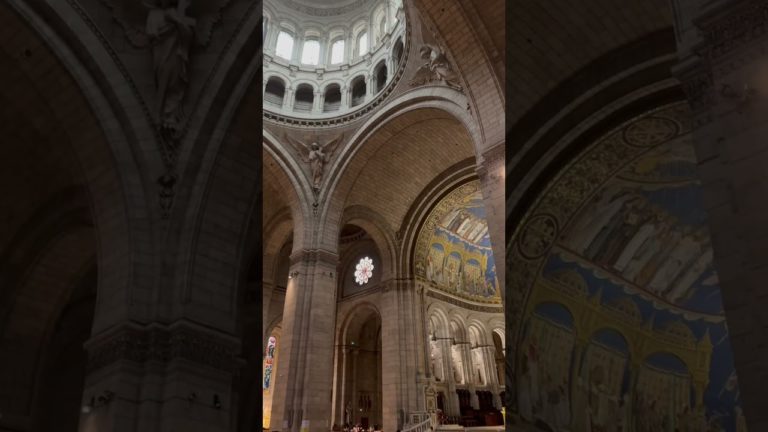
453	252
623	325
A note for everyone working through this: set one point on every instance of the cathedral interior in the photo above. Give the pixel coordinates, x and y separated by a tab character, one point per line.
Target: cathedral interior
290	215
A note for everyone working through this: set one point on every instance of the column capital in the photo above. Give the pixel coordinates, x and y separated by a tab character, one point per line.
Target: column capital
314	256
181	340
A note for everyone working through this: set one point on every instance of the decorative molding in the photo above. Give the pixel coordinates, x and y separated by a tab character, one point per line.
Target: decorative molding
163	344
314	256
732	26
326	11
463	304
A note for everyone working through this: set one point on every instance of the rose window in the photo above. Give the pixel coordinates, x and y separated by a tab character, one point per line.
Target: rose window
364	271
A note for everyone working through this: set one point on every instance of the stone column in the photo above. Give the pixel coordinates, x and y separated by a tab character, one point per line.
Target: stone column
400	358
288	99
491	171
161	378
473	399
317	106
345	98
303	391
723	70
353	389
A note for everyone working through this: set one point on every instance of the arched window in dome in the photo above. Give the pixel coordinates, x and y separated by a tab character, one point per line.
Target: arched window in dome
382	27
362	44
358	91
397	52
332	99
337	51
284	47
275	91
381	75
310	54
305	97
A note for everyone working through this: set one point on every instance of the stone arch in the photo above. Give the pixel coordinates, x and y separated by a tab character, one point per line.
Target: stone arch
346	322
44	289
304	97
359	148
106	151
274	90
382	235
277	231
474	66
478	331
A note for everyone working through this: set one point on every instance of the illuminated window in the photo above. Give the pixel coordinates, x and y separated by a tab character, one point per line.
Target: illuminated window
269	358
284	47
364	271
337	52
311	53
362	44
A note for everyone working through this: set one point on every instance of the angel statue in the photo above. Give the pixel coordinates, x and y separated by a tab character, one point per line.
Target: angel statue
316	156
172	28
437	68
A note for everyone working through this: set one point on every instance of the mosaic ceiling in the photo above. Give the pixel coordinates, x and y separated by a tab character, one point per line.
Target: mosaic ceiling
454	252
621	317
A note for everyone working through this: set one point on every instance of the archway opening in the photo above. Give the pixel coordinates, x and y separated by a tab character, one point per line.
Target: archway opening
305	98
381	76
274	92
332	99
360	386
358	91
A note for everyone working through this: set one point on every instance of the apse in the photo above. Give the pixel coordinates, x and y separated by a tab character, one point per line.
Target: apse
624	313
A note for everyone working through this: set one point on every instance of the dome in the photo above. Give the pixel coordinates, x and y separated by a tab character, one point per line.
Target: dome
327	60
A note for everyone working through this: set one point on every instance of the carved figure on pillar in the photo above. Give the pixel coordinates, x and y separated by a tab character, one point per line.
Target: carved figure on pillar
171	34
316	156
437	68
170	29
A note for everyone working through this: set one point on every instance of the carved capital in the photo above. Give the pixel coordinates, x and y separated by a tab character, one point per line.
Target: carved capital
314	256
164	344
732	26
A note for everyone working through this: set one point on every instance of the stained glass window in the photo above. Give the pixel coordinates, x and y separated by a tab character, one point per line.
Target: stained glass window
269	359
364	271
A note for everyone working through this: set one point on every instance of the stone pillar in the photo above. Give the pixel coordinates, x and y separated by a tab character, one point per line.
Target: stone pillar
353	389
317	105
452	401
491	171
161	378
473	399
400	358
303	390
345	98
723	70
288	99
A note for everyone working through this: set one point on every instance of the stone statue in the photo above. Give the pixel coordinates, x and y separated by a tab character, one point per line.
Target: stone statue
437	68
171	35
170	29
317	156
348	413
